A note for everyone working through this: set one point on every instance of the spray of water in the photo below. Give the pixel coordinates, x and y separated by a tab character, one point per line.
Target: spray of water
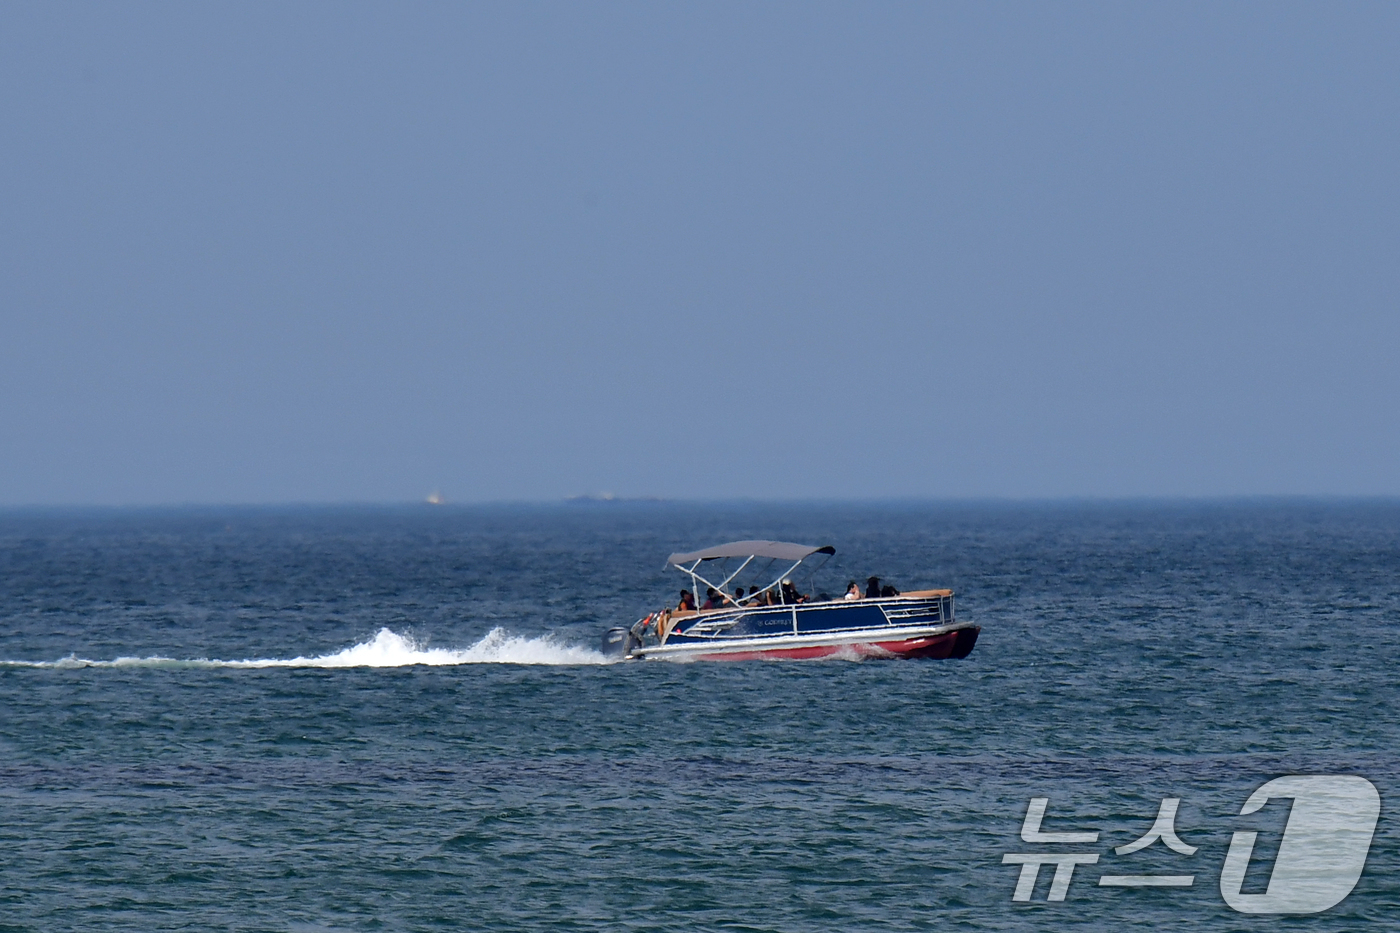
385	649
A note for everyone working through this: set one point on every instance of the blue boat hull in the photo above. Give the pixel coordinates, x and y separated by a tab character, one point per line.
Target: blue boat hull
902	626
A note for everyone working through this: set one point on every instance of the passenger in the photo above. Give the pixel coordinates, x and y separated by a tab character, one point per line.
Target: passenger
790	595
887	591
853	590
772	597
687	603
738	599
872	588
713	600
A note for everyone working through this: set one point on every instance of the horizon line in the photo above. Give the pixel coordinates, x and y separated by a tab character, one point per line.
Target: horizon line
607	500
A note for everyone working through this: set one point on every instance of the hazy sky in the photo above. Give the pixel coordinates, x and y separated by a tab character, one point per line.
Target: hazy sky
327	252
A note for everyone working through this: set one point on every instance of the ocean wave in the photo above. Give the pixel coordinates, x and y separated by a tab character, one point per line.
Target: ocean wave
386	649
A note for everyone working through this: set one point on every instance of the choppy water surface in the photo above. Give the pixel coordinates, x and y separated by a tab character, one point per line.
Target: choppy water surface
386	719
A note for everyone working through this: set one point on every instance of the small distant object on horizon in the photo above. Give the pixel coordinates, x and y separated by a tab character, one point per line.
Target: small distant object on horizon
435	498
612	497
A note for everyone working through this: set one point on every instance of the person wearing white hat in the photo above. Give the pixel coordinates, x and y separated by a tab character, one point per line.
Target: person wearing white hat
790	595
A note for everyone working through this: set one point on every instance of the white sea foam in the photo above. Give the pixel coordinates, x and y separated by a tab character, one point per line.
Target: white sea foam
386	649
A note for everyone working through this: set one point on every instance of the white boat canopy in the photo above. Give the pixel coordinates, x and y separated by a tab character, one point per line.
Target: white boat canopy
779	550
748	550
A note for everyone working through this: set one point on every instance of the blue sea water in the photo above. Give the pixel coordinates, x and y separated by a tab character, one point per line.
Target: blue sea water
396	718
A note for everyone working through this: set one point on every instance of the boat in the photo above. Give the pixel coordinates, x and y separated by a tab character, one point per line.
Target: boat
775	621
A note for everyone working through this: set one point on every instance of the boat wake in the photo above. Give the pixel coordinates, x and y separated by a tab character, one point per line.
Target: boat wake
386	649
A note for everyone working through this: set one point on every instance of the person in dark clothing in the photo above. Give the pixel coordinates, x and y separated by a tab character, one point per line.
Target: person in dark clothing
687	603
872	588
712	599
790	595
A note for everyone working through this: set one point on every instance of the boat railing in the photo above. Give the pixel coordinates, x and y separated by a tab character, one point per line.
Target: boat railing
920	605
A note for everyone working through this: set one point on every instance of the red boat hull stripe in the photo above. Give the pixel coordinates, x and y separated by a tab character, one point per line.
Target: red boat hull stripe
950	644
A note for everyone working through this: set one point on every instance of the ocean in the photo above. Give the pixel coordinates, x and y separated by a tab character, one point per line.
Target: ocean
397	718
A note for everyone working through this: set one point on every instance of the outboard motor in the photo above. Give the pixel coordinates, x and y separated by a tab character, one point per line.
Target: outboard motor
617	642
